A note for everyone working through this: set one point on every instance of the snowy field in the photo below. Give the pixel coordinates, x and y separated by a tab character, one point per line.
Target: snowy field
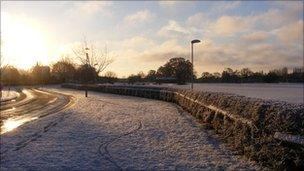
106	132
292	93
8	95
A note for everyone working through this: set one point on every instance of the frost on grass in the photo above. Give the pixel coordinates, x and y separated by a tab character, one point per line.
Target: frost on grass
117	132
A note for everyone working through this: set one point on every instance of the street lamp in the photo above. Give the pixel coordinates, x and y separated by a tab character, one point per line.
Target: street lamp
87	64
87	54
192	42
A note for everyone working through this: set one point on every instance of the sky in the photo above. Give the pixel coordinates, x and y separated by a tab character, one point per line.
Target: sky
141	36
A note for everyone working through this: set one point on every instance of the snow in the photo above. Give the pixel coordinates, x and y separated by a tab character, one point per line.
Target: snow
288	92
8	95
107	132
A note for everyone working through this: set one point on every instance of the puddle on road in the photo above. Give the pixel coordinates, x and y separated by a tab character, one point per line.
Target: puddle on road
11	124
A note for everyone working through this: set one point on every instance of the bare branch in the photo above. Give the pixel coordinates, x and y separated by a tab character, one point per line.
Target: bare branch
99	59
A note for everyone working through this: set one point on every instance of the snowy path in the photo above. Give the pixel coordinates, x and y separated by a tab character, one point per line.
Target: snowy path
106	131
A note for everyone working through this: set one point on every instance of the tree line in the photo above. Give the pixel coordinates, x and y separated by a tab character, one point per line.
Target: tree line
179	70
246	75
63	71
176	70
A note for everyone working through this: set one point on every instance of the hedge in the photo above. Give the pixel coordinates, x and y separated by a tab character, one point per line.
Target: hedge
248	125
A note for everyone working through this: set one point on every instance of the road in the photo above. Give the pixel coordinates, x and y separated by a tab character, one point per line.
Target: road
31	104
112	132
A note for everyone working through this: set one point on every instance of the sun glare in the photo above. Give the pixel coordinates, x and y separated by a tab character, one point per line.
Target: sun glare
10	124
23	42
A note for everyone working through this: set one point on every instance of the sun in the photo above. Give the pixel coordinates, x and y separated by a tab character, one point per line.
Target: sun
23	42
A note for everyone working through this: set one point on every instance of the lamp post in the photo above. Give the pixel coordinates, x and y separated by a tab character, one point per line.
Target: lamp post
87	64
192	42
87	54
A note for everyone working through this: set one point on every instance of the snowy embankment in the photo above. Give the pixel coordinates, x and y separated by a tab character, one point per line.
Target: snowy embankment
107	132
8	95
249	125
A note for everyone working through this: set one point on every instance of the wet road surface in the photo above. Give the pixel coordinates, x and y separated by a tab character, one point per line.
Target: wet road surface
30	105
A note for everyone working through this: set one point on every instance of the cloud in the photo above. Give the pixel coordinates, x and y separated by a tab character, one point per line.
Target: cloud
280	14
168	47
295	6
263	38
273	18
139	17
88	8
145	59
176	8
230	5
228	25
156	52
259	56
272	55
255	48
138	42
255	37
215	57
292	33
173	29
210	56
225	6
197	19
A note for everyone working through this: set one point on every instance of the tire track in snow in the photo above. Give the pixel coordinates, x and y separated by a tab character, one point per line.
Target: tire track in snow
104	146
106	154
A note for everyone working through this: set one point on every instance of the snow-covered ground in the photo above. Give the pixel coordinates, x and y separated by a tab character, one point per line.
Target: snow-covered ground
8	95
288	92
107	132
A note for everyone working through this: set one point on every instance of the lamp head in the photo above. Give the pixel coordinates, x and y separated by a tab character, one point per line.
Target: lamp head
195	41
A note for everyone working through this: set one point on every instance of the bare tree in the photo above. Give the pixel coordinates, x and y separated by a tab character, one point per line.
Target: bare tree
88	54
110	74
66	58
64	70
